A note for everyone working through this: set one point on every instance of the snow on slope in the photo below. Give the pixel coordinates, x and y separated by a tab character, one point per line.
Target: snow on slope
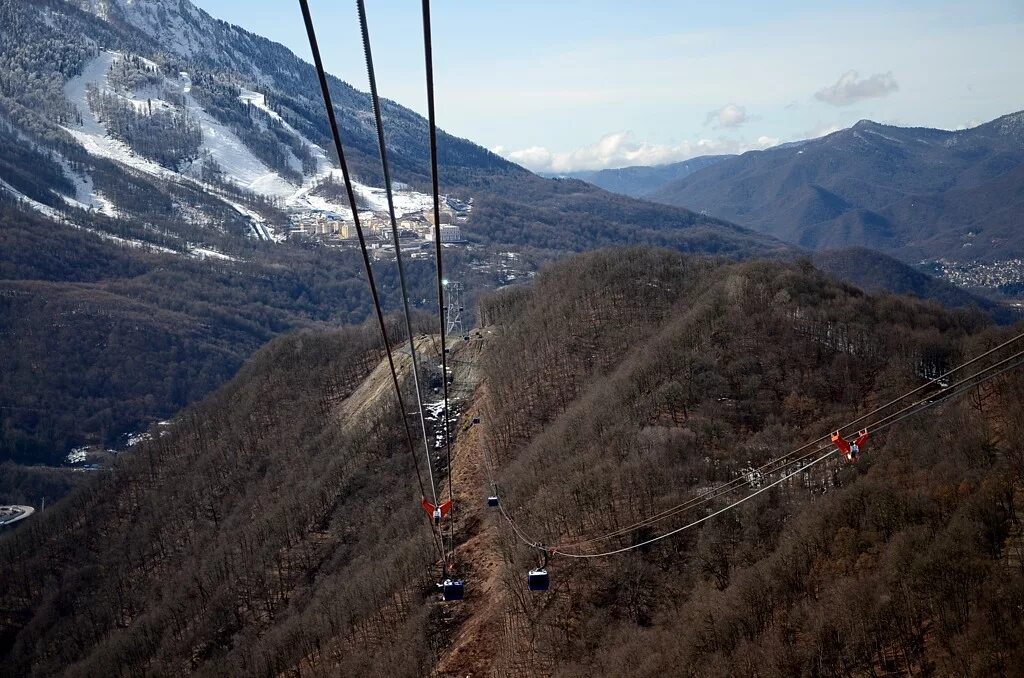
53	214
233	156
237	162
86	195
406	202
195	251
220	142
259	101
180	24
92	134
207	253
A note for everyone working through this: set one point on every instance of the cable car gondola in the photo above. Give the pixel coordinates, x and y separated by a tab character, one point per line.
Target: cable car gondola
538	579
492	501
453	589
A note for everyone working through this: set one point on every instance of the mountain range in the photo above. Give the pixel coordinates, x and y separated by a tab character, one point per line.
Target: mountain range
639	181
639	406
920	194
244	114
156	161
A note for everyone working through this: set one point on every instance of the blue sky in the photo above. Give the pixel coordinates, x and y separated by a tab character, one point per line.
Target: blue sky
576	84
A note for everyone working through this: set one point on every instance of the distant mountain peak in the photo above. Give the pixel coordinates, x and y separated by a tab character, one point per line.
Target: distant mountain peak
864	123
177	26
1011	124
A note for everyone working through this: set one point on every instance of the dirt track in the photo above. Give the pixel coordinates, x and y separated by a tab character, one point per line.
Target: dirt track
474	626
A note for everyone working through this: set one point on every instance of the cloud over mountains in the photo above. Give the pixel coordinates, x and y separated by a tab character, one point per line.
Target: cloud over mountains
850	88
621	149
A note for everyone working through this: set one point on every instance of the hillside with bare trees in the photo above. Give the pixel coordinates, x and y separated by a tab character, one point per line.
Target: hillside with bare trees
275	529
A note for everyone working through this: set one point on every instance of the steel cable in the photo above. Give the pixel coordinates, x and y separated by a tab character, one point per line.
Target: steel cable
339	148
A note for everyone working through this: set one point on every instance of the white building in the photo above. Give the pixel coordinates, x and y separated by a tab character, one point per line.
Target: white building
449	233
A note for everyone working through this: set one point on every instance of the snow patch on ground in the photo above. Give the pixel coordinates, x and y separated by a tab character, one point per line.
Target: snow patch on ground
52	213
77	455
45	210
406	202
133	439
86	195
206	253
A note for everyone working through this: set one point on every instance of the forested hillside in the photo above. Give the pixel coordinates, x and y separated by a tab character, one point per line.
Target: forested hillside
654	378
915	192
874	271
276	530
101	340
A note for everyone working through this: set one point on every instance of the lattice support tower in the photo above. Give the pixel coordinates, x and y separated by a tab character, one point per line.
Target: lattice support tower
453	308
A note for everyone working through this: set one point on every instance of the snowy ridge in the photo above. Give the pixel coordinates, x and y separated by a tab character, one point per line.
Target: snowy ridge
180	25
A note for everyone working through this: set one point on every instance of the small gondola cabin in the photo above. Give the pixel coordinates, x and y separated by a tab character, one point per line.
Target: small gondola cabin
453	589
538	580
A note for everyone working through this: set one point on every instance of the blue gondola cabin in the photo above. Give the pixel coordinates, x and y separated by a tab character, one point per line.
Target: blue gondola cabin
453	589
537	580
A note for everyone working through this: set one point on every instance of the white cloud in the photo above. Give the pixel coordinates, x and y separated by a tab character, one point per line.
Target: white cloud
620	149
850	89
729	115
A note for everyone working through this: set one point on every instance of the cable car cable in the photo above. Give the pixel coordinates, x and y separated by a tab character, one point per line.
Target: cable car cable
729	487
339	148
780	480
428	57
784	459
951	392
386	170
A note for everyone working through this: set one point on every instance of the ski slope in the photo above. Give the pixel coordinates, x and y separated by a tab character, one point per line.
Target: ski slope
237	162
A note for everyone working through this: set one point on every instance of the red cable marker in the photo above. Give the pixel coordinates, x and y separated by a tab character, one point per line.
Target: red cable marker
437	513
851	451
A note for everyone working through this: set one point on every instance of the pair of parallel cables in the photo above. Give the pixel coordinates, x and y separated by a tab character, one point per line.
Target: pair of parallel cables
797	465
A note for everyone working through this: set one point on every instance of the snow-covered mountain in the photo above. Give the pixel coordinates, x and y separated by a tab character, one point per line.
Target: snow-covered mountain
226	130
158	90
